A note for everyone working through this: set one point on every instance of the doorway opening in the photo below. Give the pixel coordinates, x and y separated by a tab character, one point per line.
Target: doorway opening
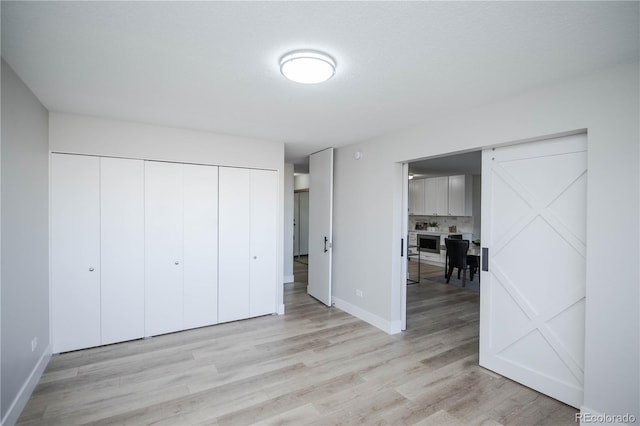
444	199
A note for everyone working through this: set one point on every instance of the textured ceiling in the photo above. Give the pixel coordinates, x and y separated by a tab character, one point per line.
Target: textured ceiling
214	65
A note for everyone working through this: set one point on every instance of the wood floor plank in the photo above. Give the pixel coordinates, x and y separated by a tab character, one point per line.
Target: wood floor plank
314	365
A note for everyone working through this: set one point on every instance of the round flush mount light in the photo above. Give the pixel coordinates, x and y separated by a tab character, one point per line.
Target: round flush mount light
307	66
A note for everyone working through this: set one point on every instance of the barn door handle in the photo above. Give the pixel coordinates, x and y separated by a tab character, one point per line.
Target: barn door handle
485	258
325	244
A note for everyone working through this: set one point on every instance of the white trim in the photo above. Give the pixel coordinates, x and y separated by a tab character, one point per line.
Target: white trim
289	279
390	327
280	309
21	399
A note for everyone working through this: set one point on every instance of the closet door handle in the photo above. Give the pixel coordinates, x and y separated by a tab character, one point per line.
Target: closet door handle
176	262
325	244
91	269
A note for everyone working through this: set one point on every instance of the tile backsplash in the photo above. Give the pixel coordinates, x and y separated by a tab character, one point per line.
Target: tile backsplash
462	223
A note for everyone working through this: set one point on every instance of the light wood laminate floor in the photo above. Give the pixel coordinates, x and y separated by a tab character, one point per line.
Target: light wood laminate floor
314	365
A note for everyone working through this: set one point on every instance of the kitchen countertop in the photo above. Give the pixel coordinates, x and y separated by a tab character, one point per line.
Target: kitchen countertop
424	231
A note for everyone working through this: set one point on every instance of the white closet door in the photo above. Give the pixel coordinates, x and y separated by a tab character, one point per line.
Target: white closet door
163	245
75	250
234	242
122	249
264	197
200	245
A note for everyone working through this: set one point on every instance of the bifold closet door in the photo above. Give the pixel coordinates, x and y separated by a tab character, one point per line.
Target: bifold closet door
264	197
234	242
163	246
75	251
122	249
200	245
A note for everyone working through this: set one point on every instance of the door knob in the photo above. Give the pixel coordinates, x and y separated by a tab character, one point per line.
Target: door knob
177	263
255	257
91	269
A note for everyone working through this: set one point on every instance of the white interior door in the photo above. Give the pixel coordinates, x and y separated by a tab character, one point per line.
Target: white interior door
320	224
533	294
75	251
122	249
235	244
200	266
163	245
263	241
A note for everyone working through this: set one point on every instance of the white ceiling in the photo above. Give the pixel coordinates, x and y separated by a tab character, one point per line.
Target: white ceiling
214	65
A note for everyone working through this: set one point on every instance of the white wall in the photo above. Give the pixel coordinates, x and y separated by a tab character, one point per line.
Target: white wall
368	199
301	181
25	243
288	223
79	134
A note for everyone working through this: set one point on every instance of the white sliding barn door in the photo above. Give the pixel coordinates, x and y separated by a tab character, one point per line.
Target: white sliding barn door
533	294
75	251
320	224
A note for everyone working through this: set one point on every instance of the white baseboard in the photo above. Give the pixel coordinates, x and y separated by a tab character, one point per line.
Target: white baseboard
20	401
390	327
289	279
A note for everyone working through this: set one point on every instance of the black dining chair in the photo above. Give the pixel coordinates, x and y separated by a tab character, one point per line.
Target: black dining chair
456	257
446	258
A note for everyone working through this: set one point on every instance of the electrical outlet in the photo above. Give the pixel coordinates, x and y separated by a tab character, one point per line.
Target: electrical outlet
34	344
359	293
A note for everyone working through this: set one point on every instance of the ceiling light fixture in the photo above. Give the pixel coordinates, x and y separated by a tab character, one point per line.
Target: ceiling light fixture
307	66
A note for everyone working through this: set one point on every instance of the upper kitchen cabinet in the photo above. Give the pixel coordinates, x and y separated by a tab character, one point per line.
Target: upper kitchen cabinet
441	196
416	197
460	191
436	196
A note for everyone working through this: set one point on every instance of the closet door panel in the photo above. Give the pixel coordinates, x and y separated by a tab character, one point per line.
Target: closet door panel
200	245
163	246
234	244
122	249
75	251
264	197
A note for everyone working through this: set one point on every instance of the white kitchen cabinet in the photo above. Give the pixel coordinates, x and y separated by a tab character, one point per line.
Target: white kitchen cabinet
417	197
163	243
460	195
436	196
248	228
75	251
200	251
121	249
441	196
